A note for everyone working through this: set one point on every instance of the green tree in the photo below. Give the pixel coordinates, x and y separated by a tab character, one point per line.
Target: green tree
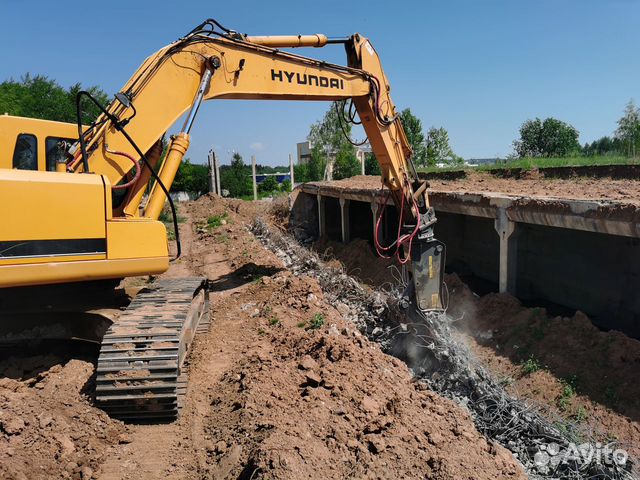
548	138
268	185
604	146
236	178
317	163
438	148
40	97
628	131
413	129
328	142
328	134
301	173
285	186
371	165
346	164
191	178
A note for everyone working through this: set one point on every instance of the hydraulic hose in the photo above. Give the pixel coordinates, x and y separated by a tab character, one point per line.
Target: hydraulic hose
135	178
118	127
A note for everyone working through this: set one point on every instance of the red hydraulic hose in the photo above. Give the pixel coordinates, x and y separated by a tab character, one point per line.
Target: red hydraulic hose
136	176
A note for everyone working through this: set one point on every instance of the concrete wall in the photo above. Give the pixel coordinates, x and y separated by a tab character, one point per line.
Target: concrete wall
593	272
472	245
597	273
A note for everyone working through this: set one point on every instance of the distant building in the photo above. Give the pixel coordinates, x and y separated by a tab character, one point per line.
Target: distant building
481	161
304	152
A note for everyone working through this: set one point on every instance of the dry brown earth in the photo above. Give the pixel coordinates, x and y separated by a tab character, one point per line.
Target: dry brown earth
585	188
281	386
599	367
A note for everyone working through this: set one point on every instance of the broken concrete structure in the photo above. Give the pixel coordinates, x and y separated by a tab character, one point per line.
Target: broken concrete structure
578	254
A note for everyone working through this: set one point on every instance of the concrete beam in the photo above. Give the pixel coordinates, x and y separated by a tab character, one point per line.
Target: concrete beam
374	211
591	216
507	231
344	219
322	217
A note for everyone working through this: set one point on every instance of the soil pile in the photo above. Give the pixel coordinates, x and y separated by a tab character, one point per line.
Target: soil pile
574	373
313	398
283	386
48	428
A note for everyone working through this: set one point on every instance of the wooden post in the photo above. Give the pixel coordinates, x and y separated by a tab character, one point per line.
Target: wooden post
255	185
291	170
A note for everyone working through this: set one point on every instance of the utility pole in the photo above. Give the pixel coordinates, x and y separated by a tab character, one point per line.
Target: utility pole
291	170
216	165
211	160
255	185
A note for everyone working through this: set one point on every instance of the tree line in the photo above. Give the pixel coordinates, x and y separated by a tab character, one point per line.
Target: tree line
40	97
554	138
331	138
331	141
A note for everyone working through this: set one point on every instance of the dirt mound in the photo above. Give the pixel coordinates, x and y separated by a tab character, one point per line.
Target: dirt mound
284	386
585	188
315	399
48	429
356	258
579	376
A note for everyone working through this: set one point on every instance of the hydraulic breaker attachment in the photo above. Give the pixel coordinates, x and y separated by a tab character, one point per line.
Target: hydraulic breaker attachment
428	261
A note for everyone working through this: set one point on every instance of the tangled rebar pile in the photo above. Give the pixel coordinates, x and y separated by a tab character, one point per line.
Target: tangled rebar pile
426	343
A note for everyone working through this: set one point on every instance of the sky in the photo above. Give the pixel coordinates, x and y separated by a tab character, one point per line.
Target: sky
477	68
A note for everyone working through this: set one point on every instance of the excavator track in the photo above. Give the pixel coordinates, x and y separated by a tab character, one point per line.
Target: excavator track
140	374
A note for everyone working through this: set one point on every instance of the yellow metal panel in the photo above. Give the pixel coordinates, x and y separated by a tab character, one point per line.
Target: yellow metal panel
69	258
51	205
63	272
11	127
136	238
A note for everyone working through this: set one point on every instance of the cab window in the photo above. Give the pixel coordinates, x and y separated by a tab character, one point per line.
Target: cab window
55	149
25	156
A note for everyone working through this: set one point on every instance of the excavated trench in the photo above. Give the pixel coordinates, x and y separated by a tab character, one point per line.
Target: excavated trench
428	346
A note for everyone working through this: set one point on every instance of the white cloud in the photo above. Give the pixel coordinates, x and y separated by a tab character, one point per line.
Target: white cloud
257	146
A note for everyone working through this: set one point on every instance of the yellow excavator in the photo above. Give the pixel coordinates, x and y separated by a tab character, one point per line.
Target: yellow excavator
82	204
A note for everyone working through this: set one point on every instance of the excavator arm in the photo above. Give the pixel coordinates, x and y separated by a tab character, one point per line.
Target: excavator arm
212	62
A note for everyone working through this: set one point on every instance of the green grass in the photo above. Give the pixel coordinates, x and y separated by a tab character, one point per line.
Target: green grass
216	221
261	195
166	217
581	414
530	163
531	365
316	321
567	393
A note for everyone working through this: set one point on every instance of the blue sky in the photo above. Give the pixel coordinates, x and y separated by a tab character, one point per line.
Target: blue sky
478	68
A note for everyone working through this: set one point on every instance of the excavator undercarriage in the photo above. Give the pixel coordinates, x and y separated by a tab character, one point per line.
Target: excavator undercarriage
140	372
